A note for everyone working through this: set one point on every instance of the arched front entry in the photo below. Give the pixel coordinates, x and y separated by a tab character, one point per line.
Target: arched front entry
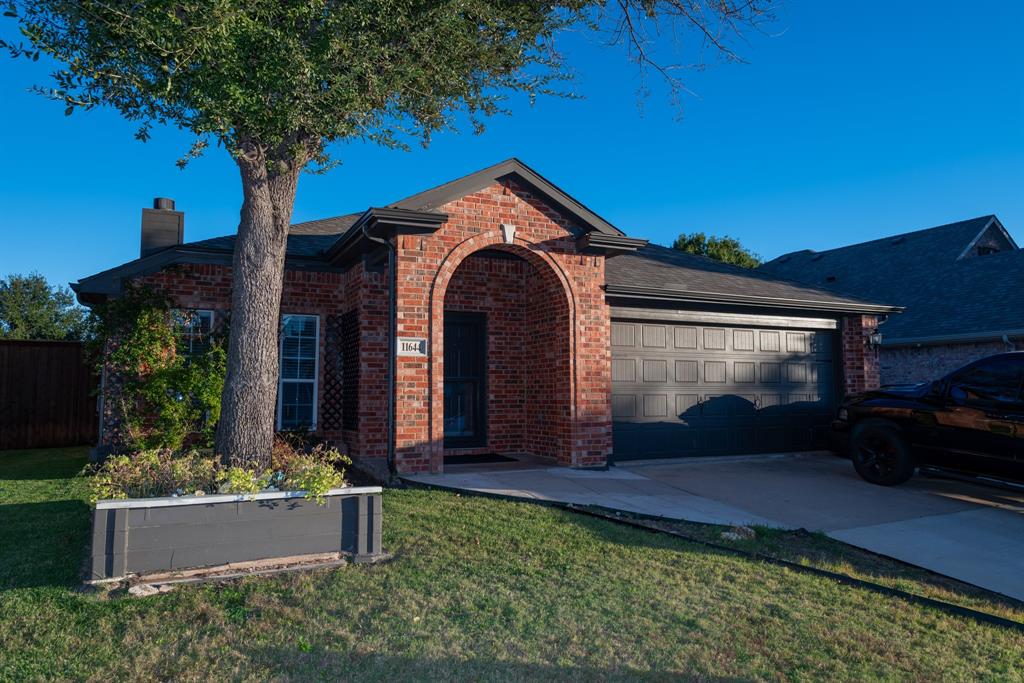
502	338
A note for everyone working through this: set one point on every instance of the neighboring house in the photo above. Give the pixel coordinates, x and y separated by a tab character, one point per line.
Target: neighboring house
517	321
962	286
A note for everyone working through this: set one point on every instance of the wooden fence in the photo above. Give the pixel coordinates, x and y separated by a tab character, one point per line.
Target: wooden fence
47	395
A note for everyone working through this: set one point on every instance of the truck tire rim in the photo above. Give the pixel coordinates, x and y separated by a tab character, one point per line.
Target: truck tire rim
878	453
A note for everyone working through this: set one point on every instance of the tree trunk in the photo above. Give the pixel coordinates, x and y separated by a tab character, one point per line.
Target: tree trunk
245	432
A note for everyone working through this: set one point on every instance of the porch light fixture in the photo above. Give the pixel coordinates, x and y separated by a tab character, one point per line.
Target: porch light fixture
874	340
508	232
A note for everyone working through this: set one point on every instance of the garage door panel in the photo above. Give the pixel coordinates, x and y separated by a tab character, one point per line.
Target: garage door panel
655	369
685	389
623	406
623	370
686	371
653	336
623	335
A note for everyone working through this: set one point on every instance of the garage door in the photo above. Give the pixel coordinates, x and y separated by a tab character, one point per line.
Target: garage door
684	389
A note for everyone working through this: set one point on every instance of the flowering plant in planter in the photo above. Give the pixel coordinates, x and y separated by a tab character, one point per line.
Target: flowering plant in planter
163	510
164	472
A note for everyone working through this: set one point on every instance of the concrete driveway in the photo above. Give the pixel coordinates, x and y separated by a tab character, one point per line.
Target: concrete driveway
970	532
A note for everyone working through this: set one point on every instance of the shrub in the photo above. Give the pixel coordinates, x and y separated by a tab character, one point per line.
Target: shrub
296	466
154	473
315	469
166	397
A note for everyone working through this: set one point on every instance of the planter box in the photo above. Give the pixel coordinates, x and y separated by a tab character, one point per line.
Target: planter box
145	535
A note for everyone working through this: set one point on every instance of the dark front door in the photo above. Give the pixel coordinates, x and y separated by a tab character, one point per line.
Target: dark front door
465	392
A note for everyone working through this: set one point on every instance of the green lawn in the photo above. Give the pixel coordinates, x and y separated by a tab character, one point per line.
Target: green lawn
478	590
819	551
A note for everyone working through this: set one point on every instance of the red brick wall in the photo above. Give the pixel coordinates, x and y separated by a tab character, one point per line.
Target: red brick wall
548	361
860	363
911	364
427	265
207	286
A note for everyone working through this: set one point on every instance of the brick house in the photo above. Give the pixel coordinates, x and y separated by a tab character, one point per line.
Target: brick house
961	285
496	317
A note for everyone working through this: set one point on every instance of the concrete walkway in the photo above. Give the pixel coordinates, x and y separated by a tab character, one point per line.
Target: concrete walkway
970	532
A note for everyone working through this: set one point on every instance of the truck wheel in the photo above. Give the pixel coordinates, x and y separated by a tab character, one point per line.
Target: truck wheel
879	453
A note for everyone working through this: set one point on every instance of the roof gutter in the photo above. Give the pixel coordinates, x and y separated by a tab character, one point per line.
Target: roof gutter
610	245
966	338
664	294
384	219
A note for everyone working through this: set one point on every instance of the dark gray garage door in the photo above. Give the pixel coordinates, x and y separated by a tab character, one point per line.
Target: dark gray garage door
685	389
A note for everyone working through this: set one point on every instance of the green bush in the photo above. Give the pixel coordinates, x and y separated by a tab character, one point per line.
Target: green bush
154	473
164	472
166	397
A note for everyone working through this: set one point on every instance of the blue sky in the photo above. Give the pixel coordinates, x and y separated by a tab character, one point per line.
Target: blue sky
850	121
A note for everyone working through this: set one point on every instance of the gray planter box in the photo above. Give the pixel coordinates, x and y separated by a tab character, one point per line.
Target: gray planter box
146	535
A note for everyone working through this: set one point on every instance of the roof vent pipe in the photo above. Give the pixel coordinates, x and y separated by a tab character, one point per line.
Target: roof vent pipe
162	227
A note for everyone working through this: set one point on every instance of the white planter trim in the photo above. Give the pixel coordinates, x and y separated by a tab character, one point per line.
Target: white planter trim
178	501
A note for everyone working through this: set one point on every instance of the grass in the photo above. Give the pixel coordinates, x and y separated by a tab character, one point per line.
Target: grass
819	551
478	590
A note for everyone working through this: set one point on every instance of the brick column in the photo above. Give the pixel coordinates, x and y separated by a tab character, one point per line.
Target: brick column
860	363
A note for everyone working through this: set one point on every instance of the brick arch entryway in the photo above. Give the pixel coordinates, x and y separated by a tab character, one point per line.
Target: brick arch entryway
505	383
564	408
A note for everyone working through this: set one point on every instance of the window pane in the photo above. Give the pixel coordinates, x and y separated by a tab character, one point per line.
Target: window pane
296	405
195	328
998	380
299	356
307	348
289	368
290	348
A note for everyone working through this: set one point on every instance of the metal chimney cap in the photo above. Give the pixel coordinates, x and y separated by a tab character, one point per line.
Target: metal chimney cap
163	203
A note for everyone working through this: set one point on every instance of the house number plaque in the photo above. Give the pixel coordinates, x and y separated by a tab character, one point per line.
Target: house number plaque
412	346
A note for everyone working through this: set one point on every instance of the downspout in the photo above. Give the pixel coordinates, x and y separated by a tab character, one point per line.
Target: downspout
392	331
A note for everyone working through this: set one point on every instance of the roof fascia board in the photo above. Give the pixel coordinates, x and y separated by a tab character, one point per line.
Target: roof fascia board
384	220
610	244
662	294
474	182
964	338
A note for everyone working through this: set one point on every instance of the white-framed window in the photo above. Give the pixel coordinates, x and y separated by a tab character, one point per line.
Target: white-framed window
300	368
196	326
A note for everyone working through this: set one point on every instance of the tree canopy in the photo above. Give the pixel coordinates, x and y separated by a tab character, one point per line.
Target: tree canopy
32	309
294	76
725	249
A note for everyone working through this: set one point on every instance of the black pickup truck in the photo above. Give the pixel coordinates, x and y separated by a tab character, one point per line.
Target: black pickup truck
972	421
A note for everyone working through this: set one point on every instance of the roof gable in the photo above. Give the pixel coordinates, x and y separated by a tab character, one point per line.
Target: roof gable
993	237
931	273
432	199
940	243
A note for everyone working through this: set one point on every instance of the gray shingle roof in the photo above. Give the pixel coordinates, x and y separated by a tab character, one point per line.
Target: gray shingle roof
325	226
676	273
944	297
305	240
299	246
